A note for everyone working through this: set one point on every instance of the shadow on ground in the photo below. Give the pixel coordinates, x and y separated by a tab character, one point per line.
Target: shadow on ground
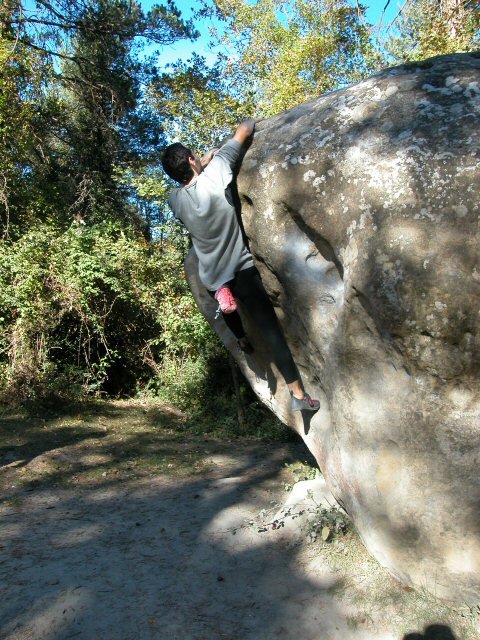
115	524
103	439
156	558
432	632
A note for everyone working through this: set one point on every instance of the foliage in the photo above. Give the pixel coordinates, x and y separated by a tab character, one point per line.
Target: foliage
47	26
21	128
315	519
105	127
326	523
90	307
185	332
288	51
88	304
199	106
200	384
94	296
429	27
74	84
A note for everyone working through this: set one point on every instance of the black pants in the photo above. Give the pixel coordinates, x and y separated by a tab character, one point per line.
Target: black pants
248	288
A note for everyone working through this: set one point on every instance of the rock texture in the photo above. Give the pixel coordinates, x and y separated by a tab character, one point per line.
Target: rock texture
362	212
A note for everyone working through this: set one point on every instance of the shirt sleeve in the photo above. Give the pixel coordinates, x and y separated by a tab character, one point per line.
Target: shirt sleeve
220	168
172	200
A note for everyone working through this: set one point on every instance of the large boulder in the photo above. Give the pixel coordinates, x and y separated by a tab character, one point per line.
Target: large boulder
362	213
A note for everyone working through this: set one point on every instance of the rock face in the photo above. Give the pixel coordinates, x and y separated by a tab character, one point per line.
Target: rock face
362	212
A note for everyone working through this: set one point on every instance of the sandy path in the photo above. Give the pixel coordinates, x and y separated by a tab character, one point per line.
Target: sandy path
157	558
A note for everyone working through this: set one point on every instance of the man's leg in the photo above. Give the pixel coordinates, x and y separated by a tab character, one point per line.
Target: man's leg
249	289
234	323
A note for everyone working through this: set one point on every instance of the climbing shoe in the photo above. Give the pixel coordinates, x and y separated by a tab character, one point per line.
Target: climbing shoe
245	346
225	299
304	404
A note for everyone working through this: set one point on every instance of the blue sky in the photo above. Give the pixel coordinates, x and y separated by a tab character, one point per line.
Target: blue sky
185	49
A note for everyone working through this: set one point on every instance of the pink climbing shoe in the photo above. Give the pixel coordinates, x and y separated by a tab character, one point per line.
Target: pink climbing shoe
225	299
304	404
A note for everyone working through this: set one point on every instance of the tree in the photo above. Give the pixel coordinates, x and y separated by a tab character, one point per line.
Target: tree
48	25
22	73
432	27
86	118
197	103
82	289
288	51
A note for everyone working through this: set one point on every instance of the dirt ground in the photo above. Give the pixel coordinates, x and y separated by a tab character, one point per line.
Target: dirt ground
119	523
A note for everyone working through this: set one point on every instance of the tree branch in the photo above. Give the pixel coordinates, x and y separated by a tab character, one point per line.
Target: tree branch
48	23
402	8
76	59
17	39
51	8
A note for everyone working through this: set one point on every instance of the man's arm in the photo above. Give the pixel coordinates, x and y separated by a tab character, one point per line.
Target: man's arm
229	154
242	133
244	130
205	159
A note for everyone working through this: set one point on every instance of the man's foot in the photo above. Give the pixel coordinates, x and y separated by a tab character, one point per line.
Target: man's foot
226	300
245	346
305	404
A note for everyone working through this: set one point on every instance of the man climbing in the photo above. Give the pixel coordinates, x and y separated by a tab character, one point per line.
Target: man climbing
226	267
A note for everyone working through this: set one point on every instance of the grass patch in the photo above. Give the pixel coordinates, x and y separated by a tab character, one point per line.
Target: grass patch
94	442
376	597
203	388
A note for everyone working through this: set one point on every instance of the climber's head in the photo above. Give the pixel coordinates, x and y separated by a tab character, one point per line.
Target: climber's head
180	163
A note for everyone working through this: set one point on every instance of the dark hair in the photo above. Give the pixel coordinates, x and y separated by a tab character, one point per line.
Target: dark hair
175	162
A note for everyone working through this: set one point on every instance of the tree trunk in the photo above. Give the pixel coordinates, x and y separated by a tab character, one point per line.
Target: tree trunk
242	422
453	13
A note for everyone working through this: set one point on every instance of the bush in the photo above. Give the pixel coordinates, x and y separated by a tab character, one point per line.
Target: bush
95	310
92	309
202	386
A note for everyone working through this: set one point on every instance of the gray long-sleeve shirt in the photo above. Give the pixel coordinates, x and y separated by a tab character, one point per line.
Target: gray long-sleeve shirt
211	220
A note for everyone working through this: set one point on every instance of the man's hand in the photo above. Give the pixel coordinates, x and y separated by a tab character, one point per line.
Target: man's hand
245	130
204	160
